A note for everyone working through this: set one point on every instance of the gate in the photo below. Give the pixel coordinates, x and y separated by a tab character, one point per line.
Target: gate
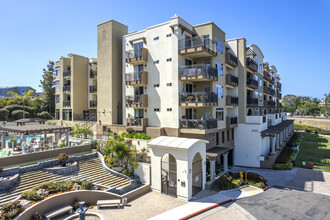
197	174
168	175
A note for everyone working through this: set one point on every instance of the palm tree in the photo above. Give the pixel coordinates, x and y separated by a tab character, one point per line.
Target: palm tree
24	99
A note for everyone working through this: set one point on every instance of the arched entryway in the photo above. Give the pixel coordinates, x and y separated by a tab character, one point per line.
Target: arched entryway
169	174
197	174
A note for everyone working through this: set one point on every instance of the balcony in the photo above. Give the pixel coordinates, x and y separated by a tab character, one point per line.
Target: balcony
67	74
231	59
93	89
269	90
231	100
198	124
267	76
231	122
198	72
251	102
66	89
251	64
279	86
269	104
93	74
231	80
136	79
197	47
136	57
66	104
279	95
252	83
137	123
198	99
137	101
93	104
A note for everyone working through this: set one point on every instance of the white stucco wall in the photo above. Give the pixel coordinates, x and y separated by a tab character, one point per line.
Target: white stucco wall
143	171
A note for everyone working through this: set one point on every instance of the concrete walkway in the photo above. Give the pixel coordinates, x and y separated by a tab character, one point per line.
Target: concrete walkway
204	203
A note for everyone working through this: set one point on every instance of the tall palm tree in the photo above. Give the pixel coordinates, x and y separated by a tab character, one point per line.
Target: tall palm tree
24	99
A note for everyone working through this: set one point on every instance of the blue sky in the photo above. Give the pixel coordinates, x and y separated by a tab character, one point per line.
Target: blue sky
292	34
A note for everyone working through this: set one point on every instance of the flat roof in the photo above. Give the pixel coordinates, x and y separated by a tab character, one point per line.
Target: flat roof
175	142
275	129
33	129
216	151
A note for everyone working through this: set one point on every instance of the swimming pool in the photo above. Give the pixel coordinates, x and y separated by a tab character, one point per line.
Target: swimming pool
18	138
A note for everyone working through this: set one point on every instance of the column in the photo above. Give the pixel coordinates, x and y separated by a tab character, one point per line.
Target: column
225	162
277	140
3	140
67	138
45	138
272	142
24	150
212	169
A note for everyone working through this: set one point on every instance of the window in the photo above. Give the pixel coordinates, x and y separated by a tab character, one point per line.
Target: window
223	136
57	71
156	38
169	59
156	61
67	114
219	45
219	114
168	35
57	85
156	85
217	139
256	77
219	91
156	109
57	99
169	109
57	114
260	82
227	135
260	68
232	134
219	66
138	113
169	84
138	49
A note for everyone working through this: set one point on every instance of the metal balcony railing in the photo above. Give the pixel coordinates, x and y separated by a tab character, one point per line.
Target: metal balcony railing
93	74
252	101
250	63
67	74
231	59
134	100
66	103
197	42
93	103
199	97
66	88
134	121
231	80
198	123
252	82
93	89
197	70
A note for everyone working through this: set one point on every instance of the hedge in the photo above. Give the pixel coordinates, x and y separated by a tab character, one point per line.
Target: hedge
11	108
3	113
18	114
44	115
308	128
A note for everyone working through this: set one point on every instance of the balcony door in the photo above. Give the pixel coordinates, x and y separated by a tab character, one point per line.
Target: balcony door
138	49
189	114
138	113
137	70
138	91
189	88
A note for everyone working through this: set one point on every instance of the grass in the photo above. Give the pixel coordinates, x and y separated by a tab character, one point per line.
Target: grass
309	128
316	149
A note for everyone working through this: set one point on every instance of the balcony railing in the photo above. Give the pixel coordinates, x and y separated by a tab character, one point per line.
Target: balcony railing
269	90
231	100
93	89
198	72
66	103
250	101
198	124
136	78
93	103
251	64
66	89
93	74
279	85
199	99
137	101
231	80
279	95
197	45
271	104
85	117
231	59
67	74
231	121
136	57
252	83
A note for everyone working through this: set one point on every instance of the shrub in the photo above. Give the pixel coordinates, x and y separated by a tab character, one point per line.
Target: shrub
11	210
44	115
86	185
135	135
11	108
61	145
31	195
3	113
63	157
36	216
1	169
17	114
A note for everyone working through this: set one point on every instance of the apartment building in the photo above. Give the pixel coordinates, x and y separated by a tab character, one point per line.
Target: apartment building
75	88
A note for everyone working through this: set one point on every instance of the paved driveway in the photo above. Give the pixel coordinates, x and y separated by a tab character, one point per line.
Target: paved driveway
284	203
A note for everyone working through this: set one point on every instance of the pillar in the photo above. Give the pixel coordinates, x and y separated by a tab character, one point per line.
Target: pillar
45	138
24	150
3	140
212	170
225	162
67	138
277	140
272	142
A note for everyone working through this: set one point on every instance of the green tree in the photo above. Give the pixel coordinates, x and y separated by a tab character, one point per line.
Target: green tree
326	104
48	86
22	100
290	103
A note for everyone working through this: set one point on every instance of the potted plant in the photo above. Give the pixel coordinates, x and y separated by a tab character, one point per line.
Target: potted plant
190	98
11	141
63	158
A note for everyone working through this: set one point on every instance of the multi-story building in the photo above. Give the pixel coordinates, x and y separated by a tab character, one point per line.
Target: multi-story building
21	90
75	88
183	80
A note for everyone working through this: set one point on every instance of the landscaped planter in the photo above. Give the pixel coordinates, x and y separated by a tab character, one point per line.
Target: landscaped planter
89	215
67	170
8	182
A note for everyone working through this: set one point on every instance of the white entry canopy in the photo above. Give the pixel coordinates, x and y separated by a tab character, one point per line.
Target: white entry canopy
178	165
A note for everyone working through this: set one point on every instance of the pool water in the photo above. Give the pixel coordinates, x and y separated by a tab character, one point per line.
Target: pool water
28	138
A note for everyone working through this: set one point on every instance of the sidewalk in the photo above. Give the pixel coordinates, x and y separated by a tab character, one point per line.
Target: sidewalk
207	202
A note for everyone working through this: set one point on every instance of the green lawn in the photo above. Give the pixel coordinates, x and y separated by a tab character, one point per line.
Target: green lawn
314	148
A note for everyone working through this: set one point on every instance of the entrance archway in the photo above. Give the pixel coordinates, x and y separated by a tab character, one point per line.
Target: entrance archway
168	176
197	174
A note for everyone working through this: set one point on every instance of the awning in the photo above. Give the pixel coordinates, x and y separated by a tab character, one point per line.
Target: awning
273	130
216	151
33	129
29	120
